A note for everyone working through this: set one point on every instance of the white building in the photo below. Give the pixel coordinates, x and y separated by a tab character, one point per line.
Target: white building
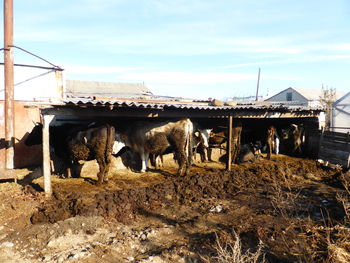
298	96
340	117
303	97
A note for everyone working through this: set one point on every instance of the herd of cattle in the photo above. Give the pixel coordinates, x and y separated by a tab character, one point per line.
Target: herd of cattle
150	140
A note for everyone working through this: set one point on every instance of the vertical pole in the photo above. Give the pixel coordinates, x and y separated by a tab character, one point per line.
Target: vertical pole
229	144
9	83
257	87
46	154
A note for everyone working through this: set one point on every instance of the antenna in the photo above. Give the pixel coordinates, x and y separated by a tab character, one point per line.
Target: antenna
257	87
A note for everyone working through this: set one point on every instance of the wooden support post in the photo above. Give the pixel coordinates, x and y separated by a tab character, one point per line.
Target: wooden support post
229	145
320	143
46	154
9	113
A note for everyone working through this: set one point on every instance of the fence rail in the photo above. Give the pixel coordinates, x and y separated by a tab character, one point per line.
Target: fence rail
335	148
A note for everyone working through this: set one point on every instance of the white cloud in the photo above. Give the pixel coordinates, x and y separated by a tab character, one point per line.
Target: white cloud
185	78
86	69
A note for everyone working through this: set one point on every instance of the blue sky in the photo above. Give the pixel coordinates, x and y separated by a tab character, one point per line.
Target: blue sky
197	49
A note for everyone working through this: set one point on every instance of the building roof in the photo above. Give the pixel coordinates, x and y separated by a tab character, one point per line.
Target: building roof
310	94
81	88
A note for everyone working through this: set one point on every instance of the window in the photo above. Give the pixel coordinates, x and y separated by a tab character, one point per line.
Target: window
289	96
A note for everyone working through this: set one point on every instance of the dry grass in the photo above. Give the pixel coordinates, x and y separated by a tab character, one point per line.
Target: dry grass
285	201
232	252
338	239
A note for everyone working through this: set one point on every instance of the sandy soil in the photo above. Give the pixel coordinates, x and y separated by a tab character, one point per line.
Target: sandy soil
295	207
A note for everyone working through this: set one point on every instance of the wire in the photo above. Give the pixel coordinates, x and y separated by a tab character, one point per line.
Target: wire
24	50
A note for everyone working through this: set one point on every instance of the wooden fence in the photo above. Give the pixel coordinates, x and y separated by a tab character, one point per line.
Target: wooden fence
335	148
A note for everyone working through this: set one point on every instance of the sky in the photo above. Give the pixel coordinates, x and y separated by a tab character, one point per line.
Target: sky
193	49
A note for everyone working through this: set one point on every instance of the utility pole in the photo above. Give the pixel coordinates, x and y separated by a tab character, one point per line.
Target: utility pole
9	83
257	87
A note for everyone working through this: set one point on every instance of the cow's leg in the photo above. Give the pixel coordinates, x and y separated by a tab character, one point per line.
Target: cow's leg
188	153
74	170
159	161
204	155
144	159
297	147
181	158
102	167
188	164
269	148
277	146
108	164
69	172
153	160
105	174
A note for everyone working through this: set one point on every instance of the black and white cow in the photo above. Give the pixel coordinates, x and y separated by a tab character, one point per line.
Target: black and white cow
201	143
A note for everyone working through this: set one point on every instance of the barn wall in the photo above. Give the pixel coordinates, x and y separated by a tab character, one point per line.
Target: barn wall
24	118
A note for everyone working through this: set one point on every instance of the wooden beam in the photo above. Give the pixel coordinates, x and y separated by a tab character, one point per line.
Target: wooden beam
46	154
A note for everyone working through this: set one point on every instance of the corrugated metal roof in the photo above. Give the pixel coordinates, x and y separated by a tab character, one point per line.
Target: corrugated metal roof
178	104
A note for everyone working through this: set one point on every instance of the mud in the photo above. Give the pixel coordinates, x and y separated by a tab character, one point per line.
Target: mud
290	204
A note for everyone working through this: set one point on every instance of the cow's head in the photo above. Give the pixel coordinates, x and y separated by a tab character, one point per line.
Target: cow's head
202	136
35	137
287	132
256	146
119	143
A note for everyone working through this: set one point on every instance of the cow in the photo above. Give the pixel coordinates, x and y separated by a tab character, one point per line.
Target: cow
147	138
293	138
248	152
272	141
216	140
80	143
201	143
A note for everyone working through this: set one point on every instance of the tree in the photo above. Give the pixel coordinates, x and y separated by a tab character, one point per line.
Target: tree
328	96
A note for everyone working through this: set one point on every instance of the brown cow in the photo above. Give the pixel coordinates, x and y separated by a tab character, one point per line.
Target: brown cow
93	143
74	143
148	138
271	145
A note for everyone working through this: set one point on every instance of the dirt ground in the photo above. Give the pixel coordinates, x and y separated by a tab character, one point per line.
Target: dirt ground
297	208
